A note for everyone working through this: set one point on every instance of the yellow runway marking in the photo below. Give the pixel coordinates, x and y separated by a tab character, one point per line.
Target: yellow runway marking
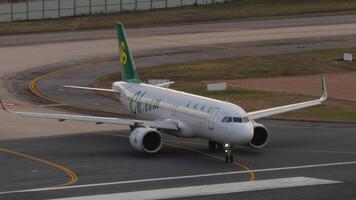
70	173
244	167
277	149
33	87
252	174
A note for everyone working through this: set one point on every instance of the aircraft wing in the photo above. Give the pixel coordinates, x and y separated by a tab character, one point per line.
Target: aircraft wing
282	109
98	120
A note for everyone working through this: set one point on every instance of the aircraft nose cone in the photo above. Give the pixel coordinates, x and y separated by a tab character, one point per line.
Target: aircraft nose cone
249	131
243	133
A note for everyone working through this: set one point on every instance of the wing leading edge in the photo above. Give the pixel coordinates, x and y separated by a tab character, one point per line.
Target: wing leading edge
282	109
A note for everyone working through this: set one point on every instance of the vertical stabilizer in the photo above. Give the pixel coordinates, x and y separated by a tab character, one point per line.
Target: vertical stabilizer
128	72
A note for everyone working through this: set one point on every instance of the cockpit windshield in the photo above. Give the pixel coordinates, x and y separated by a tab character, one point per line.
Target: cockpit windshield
229	119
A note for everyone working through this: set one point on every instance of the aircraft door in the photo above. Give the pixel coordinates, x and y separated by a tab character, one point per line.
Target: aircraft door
212	115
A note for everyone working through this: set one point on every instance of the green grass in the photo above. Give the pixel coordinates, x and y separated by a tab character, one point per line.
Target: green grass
325	61
236	9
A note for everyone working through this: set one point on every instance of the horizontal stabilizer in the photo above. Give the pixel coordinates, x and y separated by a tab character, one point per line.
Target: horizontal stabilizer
164	84
90	88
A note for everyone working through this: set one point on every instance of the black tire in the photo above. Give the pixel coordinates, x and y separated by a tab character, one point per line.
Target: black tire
229	158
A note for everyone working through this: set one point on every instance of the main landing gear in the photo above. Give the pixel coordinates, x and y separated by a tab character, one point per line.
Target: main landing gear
229	158
213	146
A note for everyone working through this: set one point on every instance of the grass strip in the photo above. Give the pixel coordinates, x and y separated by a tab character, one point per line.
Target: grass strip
236	9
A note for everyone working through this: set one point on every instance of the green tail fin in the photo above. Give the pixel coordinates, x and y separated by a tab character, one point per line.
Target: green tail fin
128	72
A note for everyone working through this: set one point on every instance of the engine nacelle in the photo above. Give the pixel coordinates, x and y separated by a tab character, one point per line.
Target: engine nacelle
260	136
146	139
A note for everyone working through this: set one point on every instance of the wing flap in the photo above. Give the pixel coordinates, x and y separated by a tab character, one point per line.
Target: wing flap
102	120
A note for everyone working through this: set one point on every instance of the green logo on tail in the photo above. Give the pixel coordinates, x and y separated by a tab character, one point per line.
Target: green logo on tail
123	55
128	72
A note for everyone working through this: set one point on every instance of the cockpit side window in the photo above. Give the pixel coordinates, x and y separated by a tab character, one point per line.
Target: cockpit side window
245	119
224	119
228	119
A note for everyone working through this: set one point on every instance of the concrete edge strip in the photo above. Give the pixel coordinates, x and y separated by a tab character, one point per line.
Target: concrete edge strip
213	189
182	177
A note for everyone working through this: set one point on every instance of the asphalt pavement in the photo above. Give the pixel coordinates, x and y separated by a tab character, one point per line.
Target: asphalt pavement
105	163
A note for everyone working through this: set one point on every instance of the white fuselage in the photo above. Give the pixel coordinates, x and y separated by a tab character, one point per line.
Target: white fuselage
195	115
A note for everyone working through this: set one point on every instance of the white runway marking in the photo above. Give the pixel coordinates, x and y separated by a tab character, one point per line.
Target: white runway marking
180	177
213	189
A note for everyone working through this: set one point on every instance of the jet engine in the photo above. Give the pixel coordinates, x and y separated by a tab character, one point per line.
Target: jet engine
146	139
260	136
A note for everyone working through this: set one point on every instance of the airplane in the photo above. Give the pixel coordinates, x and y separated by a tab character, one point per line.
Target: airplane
159	110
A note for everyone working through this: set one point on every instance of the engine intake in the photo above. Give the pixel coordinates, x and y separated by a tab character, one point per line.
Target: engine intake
260	136
146	139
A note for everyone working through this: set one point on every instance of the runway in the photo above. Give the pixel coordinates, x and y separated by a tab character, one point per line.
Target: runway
311	160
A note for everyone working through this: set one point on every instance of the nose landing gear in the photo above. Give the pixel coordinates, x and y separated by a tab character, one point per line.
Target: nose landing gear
229	158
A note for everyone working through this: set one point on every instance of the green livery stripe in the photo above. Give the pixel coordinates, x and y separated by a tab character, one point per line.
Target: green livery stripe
128	72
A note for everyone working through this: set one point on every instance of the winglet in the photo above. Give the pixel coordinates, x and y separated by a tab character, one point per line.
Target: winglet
2	105
164	84
324	90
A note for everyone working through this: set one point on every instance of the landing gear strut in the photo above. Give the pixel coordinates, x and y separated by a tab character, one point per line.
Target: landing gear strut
229	158
214	146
